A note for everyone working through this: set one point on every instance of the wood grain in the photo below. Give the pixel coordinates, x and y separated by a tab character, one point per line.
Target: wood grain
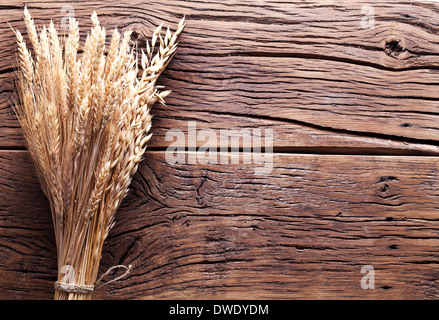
186	232
308	69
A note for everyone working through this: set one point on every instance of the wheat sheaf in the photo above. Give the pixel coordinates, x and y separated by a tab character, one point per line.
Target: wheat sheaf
86	121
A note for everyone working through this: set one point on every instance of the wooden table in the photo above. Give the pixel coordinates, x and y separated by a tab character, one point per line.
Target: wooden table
351	93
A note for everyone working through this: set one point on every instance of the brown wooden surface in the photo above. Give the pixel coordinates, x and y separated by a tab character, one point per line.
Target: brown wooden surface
355	118
210	231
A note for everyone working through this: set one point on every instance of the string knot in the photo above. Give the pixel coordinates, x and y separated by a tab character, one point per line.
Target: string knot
85	288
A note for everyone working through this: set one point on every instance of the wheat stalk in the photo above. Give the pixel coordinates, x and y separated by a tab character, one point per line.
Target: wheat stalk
86	123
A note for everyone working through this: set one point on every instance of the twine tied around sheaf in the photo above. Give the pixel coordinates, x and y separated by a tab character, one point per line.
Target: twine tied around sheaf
84	288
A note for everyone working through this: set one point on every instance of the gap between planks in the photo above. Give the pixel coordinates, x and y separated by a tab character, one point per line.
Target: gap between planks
360	152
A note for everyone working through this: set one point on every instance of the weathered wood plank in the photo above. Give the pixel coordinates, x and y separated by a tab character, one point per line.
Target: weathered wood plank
327	29
220	231
307	69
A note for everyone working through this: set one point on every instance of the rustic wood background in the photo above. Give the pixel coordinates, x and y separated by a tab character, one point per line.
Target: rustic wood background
356	152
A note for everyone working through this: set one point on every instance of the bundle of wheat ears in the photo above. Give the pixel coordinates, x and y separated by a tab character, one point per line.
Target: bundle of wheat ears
86	122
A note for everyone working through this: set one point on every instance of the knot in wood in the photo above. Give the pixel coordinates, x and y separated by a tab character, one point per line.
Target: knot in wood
394	48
